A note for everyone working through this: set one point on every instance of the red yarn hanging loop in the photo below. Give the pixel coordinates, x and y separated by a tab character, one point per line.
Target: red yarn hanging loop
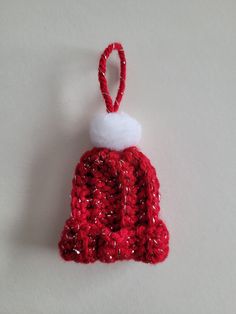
112	107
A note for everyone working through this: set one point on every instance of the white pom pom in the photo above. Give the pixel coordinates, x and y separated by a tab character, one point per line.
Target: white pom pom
115	131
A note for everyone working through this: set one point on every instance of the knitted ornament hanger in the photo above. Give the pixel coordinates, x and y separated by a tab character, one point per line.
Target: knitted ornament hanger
102	76
115	191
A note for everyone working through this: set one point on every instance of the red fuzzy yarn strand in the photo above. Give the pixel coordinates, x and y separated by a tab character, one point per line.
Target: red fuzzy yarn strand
112	107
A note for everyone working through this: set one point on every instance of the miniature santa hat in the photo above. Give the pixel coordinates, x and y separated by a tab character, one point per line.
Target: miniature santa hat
115	190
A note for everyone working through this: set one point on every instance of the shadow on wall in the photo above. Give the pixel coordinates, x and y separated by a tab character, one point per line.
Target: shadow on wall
47	204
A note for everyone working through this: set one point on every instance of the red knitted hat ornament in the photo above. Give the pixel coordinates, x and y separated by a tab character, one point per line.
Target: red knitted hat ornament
115	191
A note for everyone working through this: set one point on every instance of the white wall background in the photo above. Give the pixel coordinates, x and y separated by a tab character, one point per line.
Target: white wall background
181	86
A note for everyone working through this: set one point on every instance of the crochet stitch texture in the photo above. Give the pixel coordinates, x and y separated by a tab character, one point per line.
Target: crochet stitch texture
114	210
115	193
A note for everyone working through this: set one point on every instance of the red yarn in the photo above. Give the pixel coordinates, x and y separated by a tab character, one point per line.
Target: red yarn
102	76
115	205
114	199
